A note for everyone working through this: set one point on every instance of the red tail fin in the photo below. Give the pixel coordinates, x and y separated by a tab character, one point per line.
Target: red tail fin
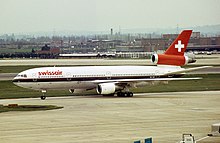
178	47
174	55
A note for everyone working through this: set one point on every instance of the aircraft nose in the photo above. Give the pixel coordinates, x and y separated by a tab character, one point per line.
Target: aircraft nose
14	80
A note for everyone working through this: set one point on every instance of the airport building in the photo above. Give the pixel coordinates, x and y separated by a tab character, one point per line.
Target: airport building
116	44
196	43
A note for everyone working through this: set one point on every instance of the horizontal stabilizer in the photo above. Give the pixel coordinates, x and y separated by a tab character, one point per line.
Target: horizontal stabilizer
182	71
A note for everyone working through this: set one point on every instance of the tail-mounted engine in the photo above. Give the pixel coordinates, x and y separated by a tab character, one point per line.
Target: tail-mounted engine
175	60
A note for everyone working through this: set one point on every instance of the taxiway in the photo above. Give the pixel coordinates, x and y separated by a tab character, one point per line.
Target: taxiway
88	119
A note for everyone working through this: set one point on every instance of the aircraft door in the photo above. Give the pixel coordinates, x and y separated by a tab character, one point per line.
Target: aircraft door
108	75
68	75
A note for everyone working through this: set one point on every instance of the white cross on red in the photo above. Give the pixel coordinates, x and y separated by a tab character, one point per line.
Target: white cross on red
179	46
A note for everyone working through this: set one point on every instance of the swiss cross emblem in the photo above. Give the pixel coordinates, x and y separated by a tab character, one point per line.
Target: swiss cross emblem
179	46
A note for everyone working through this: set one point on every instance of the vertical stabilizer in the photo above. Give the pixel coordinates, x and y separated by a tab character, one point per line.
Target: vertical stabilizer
178	47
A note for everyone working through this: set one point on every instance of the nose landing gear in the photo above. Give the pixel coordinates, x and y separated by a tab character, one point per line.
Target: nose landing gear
43	97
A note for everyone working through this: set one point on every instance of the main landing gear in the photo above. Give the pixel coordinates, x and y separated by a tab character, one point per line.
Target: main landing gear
43	97
125	94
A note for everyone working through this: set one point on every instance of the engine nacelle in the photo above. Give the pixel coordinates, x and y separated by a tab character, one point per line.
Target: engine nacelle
175	60
106	88
77	90
71	90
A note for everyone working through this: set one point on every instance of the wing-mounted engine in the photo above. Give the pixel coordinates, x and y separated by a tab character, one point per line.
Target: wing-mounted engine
175	60
108	88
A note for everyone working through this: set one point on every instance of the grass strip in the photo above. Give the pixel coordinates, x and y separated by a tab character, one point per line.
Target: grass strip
28	108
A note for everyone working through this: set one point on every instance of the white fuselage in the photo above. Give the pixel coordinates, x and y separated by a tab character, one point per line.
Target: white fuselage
46	78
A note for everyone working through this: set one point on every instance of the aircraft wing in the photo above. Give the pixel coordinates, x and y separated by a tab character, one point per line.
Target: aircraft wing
187	70
143	79
182	71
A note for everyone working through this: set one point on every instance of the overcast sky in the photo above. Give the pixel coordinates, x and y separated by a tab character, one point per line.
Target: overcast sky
23	16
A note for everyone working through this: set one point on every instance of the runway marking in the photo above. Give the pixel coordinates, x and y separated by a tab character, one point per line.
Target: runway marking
202	138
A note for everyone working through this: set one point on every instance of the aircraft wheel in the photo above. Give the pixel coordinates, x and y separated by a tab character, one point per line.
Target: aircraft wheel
120	94
126	94
130	94
43	97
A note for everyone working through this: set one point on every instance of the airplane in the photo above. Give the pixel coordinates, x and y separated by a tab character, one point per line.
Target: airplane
111	80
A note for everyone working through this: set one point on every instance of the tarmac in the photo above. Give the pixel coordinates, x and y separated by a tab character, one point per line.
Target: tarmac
96	119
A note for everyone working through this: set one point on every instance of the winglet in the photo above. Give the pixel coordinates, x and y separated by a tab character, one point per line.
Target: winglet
178	47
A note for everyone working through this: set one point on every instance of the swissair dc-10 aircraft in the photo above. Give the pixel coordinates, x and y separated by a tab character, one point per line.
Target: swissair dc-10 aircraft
110	80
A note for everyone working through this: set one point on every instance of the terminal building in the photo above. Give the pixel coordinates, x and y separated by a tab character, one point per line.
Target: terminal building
196	43
97	46
144	47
